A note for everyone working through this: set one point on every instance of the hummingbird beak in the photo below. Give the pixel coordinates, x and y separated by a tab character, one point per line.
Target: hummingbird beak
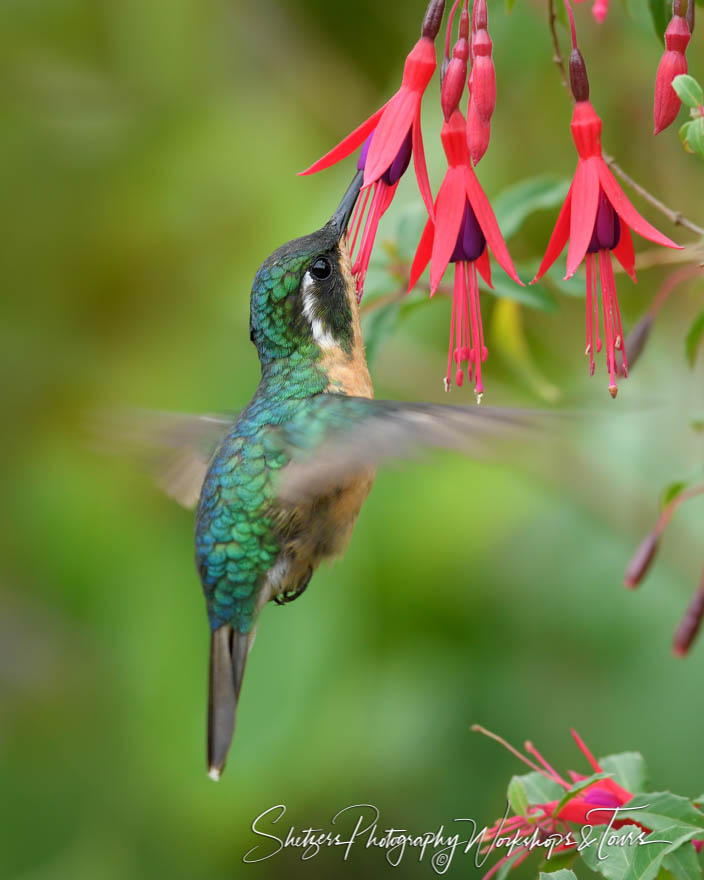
341	218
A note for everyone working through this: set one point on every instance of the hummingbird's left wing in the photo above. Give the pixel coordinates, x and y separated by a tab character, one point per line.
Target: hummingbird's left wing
175	448
364	433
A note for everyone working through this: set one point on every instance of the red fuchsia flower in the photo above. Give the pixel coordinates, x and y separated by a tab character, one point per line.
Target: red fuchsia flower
673	63
591	806
388	138
482	85
461	230
597	219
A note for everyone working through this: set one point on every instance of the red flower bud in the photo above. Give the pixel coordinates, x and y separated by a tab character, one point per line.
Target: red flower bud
433	18
642	558
483	75
579	81
478	132
690	625
673	63
456	73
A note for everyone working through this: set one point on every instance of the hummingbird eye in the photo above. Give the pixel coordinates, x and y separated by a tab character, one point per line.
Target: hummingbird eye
321	269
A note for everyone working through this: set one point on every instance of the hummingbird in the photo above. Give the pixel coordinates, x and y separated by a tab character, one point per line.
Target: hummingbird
280	486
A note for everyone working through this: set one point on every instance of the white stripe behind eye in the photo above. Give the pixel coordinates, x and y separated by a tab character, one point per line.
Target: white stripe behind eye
323	337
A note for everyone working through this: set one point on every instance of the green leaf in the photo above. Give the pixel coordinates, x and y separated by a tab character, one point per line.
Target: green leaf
517	202
617	859
648	857
559	874
670	491
695	136
658	810
509	5
628	769
537	296
558	861
517	796
555	277
540	789
695	334
660	12
684	136
628	852
409	230
577	788
689	90
683	864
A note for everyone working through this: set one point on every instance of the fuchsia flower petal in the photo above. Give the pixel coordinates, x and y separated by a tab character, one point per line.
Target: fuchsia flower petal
390	133
483	265
449	210
347	146
585	202
624	252
487	220
423	254
421	167
559	236
627	212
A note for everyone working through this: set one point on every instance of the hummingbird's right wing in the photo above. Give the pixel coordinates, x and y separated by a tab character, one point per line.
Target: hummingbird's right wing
365	433
175	448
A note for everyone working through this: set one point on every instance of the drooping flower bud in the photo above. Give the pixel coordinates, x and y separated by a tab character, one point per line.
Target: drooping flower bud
640	562
478	133
690	624
579	81
456	73
673	63
483	84
433	18
690	16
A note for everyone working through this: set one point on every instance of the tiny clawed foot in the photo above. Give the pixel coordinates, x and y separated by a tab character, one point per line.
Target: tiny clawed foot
289	595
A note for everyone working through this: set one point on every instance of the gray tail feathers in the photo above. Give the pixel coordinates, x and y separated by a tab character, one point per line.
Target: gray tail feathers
228	655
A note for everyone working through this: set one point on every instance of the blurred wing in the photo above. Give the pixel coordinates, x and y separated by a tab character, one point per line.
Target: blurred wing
391	430
175	448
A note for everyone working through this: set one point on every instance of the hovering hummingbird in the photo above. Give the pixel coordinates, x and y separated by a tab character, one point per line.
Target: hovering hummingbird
280	486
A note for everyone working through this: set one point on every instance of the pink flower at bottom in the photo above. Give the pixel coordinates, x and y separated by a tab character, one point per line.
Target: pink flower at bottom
591	806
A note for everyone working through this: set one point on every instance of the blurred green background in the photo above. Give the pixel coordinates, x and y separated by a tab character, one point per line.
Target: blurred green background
148	164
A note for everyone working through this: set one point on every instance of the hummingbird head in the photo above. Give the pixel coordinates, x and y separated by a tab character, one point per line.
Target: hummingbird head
303	297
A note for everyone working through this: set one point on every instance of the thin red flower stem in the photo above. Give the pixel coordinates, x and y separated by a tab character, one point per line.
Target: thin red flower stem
573	29
531	749
675	217
670	284
448	32
477	728
582	746
669	511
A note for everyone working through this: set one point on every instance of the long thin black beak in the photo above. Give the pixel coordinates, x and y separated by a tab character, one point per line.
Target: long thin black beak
341	218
